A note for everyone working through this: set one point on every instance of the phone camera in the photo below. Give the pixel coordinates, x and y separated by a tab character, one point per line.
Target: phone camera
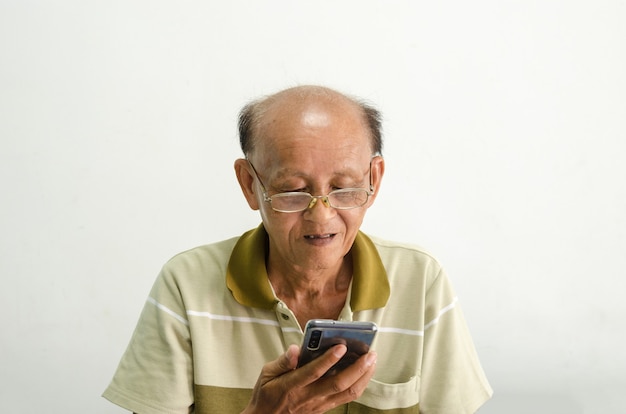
314	340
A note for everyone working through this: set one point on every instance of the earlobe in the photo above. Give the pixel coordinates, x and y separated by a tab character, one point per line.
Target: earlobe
246	182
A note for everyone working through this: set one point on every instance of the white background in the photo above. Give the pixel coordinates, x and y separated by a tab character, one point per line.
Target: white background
505	127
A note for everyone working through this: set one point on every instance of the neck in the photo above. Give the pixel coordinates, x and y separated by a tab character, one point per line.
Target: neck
312	293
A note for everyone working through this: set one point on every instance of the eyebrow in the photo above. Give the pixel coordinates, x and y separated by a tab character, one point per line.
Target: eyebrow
289	172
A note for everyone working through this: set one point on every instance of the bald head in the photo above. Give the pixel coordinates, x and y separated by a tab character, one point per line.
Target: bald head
256	116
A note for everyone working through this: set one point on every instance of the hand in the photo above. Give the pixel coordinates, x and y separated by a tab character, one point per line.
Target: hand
281	388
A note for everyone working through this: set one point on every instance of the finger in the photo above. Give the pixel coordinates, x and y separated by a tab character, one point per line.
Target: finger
315	369
344	387
350	383
284	363
362	367
290	358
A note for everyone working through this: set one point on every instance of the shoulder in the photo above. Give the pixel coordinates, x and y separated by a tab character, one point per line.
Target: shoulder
407	262
198	267
193	276
412	248
212	254
394	250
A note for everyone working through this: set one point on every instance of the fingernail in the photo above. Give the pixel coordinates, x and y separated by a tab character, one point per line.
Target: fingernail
371	358
339	350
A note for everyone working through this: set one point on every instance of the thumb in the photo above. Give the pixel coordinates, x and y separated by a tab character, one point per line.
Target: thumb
284	363
289	360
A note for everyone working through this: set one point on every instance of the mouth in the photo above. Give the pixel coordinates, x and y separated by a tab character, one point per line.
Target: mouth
326	236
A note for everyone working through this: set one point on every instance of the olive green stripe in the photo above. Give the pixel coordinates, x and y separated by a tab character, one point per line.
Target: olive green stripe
210	400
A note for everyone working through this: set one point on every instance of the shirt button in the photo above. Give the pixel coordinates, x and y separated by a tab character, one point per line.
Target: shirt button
285	316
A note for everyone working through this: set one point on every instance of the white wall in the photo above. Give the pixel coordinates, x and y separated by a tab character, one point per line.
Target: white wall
505	131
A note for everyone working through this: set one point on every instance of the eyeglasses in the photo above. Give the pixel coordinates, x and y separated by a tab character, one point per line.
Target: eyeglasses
293	202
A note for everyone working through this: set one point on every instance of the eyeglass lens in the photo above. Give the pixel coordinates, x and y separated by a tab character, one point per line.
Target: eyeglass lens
342	199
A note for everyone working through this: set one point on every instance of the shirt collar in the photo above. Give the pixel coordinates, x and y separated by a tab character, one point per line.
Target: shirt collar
246	275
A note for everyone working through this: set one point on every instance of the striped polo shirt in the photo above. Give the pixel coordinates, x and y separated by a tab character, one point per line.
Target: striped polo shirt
212	321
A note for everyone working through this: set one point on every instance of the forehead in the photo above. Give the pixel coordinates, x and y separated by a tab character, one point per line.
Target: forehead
312	127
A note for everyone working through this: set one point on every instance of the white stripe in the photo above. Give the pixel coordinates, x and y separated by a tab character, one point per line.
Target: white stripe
167	310
232	318
426	327
274	323
441	313
401	331
297	330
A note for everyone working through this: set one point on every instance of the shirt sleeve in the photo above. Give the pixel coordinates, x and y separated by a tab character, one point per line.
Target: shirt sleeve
155	375
452	379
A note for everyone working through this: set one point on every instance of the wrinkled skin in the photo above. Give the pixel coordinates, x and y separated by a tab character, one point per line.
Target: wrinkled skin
282	389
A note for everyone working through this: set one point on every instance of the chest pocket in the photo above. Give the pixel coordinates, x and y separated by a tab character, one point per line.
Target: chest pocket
401	398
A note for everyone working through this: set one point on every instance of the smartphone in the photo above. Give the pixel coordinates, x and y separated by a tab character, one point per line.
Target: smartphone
322	334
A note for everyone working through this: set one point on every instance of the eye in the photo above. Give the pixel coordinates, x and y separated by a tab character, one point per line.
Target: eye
291	189
295	190
342	185
345	182
288	186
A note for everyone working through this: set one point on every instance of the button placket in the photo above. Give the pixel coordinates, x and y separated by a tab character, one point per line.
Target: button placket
292	333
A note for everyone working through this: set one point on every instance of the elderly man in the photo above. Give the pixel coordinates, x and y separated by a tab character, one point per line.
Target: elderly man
221	327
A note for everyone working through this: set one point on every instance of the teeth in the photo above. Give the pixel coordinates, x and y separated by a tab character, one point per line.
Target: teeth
325	236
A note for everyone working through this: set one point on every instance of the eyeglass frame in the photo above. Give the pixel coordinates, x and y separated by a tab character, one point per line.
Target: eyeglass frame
325	200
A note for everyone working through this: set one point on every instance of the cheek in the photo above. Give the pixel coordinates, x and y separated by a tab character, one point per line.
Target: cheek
263	210
270	217
279	225
353	220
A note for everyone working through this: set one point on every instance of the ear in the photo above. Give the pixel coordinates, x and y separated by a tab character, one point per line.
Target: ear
245	177
378	170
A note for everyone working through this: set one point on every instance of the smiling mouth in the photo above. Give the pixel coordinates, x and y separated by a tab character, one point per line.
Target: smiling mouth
319	236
